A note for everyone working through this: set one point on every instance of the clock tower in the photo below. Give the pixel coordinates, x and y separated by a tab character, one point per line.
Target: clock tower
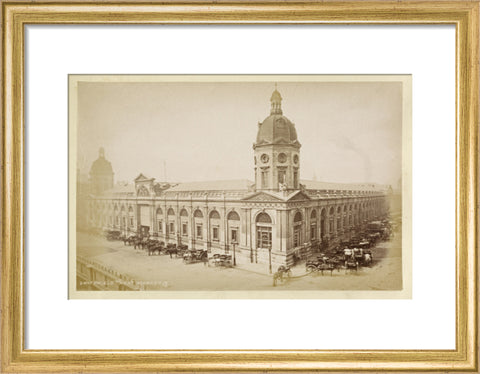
277	151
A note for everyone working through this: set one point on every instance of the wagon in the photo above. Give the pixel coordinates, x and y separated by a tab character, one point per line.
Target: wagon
222	260
321	264
177	250
113	235
193	256
351	264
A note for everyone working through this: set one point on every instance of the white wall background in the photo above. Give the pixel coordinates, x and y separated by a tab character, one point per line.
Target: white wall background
427	321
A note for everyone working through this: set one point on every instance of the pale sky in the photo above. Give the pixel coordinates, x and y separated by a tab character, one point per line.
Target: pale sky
350	131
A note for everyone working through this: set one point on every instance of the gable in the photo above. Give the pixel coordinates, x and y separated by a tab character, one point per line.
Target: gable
142	177
262	196
300	196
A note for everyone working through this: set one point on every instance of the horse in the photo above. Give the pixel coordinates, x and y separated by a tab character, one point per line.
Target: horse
282	275
137	242
154	248
172	251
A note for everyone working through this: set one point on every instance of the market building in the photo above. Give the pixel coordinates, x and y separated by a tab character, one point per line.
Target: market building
272	220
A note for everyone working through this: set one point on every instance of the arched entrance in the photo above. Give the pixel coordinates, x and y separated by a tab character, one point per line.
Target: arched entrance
263	224
297	229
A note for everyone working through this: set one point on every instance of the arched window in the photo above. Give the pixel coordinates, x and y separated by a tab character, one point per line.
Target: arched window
313	225
214	225
298	217
214	214
116	219
171	222
233	226
143	191
264	231
233	216
264	218
323	223
184	222
124	217
297	229
331	221
160	220
131	217
198	224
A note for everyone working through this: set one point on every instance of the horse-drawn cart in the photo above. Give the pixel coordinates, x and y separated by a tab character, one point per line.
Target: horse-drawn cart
193	256
113	235
320	264
222	260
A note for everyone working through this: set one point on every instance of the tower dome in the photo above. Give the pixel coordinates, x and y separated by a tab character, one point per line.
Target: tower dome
101	174
276	128
101	166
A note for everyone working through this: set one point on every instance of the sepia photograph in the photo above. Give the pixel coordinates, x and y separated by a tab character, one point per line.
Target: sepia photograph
236	186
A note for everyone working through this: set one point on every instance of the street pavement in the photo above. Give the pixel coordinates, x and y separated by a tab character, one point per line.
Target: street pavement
160	272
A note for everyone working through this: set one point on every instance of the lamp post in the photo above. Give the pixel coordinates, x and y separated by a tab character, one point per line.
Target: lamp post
234	258
270	259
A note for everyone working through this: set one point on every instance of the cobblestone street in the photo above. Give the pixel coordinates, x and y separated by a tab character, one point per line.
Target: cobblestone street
160	272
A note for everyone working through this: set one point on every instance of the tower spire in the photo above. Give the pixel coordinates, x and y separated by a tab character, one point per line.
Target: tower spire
276	102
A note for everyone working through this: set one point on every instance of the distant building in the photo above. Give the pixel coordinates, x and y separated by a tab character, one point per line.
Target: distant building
101	174
273	220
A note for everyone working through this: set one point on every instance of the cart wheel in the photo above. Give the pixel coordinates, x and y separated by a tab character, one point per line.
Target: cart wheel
310	269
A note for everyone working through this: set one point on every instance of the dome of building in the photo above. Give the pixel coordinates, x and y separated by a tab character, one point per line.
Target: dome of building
101	166
276	128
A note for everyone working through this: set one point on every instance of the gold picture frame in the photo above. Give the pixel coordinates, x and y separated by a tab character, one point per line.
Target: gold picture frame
463	14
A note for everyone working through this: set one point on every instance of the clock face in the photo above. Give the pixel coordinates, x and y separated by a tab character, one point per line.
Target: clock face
264	158
295	159
282	157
